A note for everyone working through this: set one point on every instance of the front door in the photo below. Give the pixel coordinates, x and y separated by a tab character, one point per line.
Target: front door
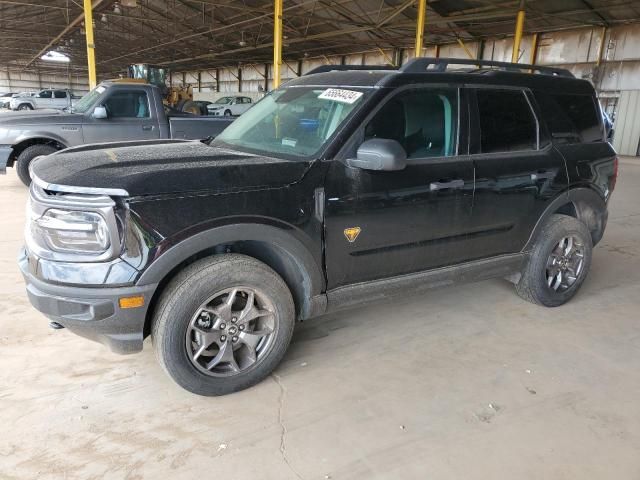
128	118
387	223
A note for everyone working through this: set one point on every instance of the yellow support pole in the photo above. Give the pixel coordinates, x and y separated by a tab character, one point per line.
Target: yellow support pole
277	42
534	51
422	15
91	48
602	45
518	35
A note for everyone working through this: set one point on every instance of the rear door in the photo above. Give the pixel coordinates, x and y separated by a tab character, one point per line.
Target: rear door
388	223
517	170
130	117
44	99
60	99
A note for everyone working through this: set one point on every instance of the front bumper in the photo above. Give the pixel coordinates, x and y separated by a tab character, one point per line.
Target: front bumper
91	312
5	154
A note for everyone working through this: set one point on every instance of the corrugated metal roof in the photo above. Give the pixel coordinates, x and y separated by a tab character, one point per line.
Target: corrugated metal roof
192	34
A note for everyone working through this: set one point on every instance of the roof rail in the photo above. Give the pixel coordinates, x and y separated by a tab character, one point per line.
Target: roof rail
424	64
337	68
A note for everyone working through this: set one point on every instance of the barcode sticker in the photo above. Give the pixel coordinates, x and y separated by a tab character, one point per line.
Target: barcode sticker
340	95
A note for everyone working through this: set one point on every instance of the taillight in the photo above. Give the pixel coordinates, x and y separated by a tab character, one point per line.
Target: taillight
614	177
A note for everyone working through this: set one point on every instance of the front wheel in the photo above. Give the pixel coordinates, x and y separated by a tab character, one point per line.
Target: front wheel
25	106
223	324
25	158
227	113
558	264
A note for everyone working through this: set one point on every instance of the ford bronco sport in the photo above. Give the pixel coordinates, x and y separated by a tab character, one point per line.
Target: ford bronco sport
345	185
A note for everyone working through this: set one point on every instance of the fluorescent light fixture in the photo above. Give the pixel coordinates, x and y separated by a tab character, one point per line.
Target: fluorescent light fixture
53	56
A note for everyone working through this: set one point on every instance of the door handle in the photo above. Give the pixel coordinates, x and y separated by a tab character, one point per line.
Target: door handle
451	184
542	175
147	127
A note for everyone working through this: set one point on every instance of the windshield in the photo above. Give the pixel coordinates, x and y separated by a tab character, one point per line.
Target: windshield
86	102
223	100
295	121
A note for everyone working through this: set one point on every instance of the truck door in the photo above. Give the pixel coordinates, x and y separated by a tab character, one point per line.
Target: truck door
44	99
129	117
386	223
60	99
517	171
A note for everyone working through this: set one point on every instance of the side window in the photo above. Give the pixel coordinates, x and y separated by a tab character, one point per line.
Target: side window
572	117
127	104
423	121
59	94
507	123
45	94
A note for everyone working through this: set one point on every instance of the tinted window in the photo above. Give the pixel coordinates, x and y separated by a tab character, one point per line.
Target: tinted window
59	94
507	123
574	118
127	104
423	121
45	94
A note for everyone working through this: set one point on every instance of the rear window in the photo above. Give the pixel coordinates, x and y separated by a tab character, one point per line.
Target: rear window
507	123
572	118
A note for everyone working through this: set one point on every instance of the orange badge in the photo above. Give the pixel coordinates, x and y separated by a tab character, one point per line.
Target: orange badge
352	233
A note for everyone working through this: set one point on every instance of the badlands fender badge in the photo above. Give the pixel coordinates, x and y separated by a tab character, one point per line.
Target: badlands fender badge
352	233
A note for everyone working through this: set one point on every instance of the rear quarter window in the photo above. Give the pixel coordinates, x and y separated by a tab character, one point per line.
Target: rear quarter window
572	118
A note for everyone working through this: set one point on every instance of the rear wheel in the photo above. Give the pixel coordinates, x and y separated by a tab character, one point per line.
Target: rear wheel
223	324
25	158
559	262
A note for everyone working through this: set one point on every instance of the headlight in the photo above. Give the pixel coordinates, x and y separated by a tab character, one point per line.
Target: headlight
72	231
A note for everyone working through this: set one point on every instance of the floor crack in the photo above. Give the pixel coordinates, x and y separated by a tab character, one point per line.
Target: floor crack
283	428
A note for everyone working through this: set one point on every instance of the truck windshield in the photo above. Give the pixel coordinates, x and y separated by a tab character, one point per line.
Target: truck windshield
296	121
86	102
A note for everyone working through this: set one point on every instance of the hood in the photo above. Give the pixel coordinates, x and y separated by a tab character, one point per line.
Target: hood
156	168
39	117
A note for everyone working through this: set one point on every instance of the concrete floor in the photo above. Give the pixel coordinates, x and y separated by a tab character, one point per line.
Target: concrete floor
466	383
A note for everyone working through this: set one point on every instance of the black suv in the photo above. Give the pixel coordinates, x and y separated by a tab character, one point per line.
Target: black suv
343	186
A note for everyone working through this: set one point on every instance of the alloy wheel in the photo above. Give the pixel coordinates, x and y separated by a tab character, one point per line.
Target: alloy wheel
565	264
231	332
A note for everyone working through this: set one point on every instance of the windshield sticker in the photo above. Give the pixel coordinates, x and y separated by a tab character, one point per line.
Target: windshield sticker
100	89
340	95
289	142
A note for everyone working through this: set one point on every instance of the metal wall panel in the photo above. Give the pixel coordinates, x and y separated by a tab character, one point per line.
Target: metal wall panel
626	140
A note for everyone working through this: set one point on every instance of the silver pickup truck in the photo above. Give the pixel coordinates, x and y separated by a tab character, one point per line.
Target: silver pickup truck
114	111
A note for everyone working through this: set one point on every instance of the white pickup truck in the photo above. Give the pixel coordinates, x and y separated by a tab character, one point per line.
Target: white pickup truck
58	99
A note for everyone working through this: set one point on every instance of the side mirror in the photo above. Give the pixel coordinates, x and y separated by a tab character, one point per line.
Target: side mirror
379	154
100	112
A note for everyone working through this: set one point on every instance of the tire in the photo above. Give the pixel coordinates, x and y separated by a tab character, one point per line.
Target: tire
28	154
227	113
25	106
540	283
178	335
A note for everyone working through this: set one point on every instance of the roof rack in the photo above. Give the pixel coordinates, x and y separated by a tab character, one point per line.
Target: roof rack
424	64
337	68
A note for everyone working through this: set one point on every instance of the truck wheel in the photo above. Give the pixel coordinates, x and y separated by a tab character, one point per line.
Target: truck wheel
559	262
25	106
227	113
24	159
222	324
